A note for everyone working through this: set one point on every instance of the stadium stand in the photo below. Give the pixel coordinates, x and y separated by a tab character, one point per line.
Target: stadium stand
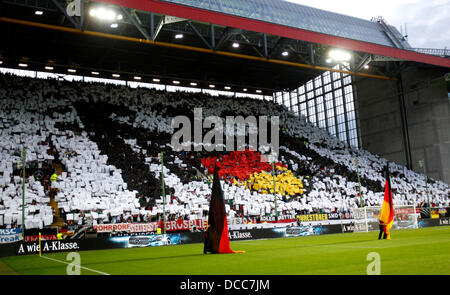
103	141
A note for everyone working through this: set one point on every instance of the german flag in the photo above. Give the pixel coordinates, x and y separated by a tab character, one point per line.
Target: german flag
216	238
387	210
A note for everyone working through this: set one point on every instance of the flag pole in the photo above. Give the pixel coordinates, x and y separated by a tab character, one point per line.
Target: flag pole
422	165
355	161
274	188
24	155
161	159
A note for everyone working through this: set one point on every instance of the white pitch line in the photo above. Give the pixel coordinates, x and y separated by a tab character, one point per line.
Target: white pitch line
362	247
93	270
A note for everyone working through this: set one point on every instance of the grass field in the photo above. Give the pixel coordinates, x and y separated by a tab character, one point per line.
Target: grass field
410	252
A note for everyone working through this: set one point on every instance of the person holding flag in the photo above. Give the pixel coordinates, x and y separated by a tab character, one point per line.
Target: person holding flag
387	209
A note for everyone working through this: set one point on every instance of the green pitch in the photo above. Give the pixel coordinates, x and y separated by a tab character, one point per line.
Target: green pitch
420	251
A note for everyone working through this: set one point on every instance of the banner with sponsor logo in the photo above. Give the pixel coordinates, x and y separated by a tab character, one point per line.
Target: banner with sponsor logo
348	228
43	237
283	232
427	222
21	248
49	247
176	225
10	235
324	216
444	221
147	240
262	219
312	217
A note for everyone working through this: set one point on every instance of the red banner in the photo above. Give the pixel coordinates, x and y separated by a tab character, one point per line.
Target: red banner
151	226
43	237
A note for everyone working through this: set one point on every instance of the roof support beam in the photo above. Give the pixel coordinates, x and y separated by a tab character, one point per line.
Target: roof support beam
301	57
366	59
385	58
82	16
226	34
199	35
135	22
266	51
152	25
213	37
166	20
280	41
253	47
312	53
224	37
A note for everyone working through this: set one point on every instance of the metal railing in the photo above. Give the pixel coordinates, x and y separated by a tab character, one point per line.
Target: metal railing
433	51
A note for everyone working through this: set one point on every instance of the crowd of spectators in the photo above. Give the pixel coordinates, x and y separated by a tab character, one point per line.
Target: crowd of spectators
108	138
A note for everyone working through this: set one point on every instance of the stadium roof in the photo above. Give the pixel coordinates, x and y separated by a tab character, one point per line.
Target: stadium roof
274	53
301	17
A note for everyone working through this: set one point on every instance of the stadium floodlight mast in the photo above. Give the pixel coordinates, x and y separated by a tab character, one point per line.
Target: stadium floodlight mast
161	160
422	165
355	162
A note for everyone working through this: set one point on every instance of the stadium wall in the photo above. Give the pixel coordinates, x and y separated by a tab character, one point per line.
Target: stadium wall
424	109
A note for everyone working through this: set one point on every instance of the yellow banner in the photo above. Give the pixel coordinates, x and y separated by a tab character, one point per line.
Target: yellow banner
312	217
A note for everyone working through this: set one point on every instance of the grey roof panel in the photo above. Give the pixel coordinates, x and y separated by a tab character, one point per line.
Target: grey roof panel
299	16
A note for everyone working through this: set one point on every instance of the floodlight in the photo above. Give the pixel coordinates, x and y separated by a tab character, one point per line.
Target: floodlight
23	65
116	75
49	68
193	84
95	73
156	80
137	78
113	26
71	70
212	86
176	82
285	53
258	91
339	55
38	12
178	36
104	14
235	45
227	87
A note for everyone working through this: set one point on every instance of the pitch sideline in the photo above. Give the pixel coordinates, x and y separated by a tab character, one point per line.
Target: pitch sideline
86	268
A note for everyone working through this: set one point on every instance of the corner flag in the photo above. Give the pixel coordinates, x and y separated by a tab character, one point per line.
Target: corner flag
216	238
387	210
